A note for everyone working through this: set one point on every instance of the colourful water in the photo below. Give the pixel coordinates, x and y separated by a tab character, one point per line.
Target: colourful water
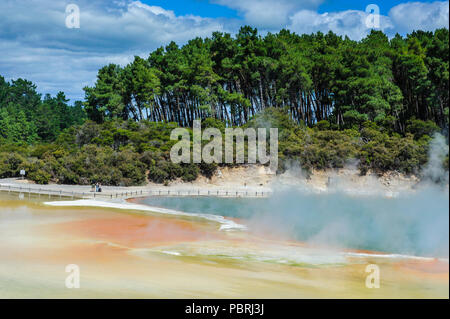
131	252
411	223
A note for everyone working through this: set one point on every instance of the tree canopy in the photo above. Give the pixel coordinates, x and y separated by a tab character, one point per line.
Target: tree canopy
315	77
27	118
376	102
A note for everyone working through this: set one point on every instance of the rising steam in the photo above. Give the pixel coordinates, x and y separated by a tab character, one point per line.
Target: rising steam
414	222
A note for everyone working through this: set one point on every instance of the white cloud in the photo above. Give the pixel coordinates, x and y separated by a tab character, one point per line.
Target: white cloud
351	23
268	14
417	15
36	45
103	28
54	70
153	9
403	18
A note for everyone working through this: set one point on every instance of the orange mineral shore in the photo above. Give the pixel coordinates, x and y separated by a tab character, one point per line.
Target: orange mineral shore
131	254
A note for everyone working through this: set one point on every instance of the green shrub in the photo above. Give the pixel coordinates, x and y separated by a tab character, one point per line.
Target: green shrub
120	152
11	164
323	125
190	173
157	175
208	170
420	128
39	177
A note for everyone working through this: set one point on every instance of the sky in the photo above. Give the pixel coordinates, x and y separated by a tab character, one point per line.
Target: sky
37	44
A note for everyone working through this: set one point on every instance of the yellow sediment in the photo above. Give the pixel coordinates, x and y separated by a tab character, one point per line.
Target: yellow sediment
127	255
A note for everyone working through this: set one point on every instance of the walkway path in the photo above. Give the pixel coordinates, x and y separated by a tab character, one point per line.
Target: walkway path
13	185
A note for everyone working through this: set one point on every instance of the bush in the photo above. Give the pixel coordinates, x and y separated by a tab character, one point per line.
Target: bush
323	125
157	175
39	177
208	170
120	152
420	128
190	173
11	164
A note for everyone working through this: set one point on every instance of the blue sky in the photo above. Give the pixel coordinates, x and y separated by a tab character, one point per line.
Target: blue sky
36	44
341	5
203	8
206	8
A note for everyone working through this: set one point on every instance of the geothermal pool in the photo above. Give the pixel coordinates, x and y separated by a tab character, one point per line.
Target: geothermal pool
289	246
412	223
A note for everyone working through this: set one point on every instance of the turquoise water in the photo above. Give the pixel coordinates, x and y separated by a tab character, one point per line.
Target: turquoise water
414	223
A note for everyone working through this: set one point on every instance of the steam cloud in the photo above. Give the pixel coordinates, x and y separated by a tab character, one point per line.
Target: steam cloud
434	170
415	222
